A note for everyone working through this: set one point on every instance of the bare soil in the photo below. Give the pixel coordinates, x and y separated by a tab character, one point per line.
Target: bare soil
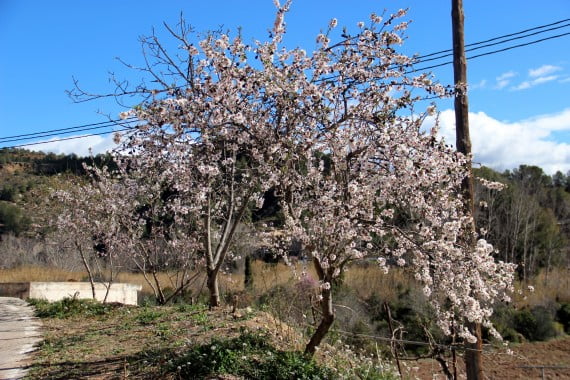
137	342
523	363
134	342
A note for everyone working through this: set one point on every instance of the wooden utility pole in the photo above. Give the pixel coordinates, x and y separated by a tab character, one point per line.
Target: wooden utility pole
473	362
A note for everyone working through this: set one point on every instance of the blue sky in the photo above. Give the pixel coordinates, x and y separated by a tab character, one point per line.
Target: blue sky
518	99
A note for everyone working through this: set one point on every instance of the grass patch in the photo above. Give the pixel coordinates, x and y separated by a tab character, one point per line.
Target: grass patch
69	307
148	316
251	356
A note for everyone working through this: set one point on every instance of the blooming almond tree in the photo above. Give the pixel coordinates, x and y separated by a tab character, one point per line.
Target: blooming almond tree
155	225
363	180
335	134
131	218
90	220
219	139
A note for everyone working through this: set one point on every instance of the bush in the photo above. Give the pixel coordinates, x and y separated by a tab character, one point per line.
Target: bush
536	324
8	193
250	356
563	316
503	316
411	312
291	304
11	219
69	307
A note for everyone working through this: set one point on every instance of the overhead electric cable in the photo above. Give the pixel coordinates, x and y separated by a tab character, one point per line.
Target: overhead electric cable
77	128
420	59
112	122
65	138
46	134
492	52
497	38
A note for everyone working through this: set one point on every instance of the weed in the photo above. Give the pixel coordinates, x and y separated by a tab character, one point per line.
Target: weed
563	316
163	330
250	356
52	346
200	318
147	316
69	307
190	308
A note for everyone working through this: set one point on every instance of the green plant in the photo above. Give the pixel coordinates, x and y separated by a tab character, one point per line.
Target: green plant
250	356
148	316
12	219
563	316
191	308
535	324
69	307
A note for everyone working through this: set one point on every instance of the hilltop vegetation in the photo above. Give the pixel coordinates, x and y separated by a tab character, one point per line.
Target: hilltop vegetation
27	180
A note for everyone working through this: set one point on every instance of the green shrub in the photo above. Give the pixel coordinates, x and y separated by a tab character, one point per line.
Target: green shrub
69	307
503	321
8	193
12	219
250	356
563	316
524	322
411	312
536	324
148	315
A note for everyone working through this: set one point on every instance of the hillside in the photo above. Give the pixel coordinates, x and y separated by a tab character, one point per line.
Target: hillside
191	342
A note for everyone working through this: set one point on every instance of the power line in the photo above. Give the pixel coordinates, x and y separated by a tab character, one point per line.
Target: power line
492	52
420	59
112	122
485	43
67	130
66	138
498	38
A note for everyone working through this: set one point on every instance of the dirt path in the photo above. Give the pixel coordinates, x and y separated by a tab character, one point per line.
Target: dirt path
19	332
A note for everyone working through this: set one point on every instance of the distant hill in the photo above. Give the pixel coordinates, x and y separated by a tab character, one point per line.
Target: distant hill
28	178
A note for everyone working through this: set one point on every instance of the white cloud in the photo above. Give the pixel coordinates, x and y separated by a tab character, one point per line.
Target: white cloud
506	145
504	79
79	146
528	84
543	70
497	144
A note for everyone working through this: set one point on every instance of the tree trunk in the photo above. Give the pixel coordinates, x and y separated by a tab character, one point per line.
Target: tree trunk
326	322
87	268
473	365
213	289
248	273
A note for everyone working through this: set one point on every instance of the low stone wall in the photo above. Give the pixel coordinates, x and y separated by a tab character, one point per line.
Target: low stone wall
55	291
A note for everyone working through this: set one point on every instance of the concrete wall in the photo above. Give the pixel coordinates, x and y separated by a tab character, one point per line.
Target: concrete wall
55	291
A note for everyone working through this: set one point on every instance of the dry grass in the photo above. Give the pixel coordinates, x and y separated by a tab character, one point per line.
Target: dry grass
364	279
39	274
266	276
554	286
369	279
